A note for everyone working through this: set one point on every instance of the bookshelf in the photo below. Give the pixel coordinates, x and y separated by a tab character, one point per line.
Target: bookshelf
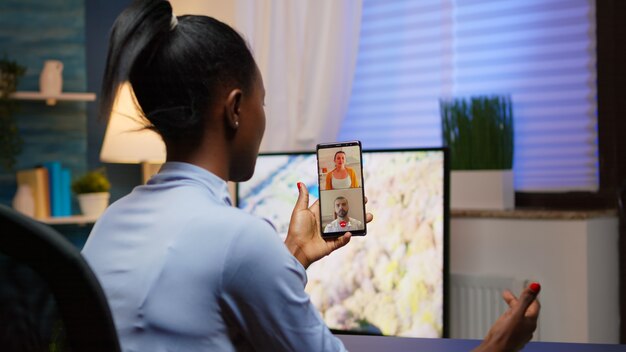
52	99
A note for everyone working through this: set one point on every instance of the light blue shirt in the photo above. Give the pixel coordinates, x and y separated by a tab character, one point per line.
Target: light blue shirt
183	270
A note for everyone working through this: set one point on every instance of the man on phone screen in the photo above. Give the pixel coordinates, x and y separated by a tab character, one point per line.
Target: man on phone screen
342	221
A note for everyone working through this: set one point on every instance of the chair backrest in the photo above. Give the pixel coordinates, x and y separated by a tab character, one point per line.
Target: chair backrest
47	288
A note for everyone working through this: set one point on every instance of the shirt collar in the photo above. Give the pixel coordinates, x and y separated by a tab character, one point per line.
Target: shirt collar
173	171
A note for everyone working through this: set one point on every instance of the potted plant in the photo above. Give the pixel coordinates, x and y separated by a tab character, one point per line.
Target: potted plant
10	140
479	134
92	191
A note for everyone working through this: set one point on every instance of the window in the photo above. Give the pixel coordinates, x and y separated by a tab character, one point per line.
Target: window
541	52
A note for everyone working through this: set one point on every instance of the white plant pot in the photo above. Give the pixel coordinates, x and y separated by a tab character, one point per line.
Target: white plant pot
482	189
93	204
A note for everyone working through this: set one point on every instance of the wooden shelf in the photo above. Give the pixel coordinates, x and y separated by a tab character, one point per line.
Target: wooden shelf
52	99
69	220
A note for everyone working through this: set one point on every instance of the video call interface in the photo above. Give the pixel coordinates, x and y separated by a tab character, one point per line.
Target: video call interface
391	281
341	190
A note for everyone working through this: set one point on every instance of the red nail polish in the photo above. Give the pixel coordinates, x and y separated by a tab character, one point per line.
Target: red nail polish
299	185
535	287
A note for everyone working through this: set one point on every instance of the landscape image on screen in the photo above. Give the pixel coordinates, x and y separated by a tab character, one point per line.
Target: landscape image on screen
390	281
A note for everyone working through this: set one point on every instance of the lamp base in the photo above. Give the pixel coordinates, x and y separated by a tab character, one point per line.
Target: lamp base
148	170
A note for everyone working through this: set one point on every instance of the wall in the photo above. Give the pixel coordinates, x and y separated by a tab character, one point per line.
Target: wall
30	33
574	260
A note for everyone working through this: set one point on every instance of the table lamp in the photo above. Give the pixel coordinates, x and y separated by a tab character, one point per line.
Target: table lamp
126	141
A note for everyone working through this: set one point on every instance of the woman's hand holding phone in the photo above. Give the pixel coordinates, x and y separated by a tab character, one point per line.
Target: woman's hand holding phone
304	239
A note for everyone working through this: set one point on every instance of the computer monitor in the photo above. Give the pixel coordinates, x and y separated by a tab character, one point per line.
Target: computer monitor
393	281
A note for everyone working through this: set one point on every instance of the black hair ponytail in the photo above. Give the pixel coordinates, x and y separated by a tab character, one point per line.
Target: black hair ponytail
176	67
134	29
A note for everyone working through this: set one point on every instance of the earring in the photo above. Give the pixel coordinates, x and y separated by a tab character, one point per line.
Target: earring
236	124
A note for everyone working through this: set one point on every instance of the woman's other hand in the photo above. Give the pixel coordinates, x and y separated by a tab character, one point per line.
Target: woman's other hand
515	327
304	239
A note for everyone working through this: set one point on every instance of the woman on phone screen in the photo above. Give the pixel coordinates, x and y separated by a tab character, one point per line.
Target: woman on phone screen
341	176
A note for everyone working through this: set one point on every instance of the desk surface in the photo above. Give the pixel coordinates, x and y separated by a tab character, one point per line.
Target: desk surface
361	343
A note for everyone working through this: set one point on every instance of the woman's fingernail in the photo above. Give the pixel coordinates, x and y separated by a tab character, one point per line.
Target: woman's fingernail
535	287
299	185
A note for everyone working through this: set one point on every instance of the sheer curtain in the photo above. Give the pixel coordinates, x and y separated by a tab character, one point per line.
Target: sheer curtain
306	51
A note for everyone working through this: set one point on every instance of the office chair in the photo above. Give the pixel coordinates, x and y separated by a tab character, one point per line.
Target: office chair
50	300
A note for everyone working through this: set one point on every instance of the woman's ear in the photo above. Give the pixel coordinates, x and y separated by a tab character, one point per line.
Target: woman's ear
233	108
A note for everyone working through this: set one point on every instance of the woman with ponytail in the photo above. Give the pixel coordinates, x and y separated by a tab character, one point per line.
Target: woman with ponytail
182	269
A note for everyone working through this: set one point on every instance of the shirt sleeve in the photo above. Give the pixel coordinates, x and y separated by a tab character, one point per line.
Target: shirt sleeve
328	227
355	182
329	180
263	292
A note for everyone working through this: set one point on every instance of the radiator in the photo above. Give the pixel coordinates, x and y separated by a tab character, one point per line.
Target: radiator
476	303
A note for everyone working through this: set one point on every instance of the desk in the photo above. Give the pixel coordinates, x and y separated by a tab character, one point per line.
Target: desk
361	343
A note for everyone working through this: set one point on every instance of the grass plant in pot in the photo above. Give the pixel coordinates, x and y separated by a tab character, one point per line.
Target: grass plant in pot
92	191
479	134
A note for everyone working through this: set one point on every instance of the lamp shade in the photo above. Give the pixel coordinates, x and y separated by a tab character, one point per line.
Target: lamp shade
126	140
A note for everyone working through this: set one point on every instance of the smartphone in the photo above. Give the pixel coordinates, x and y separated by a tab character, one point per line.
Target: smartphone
342	196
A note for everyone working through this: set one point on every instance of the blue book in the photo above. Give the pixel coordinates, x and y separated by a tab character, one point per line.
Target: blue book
54	176
66	193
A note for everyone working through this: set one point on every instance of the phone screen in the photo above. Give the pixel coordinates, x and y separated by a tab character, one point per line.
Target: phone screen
342	200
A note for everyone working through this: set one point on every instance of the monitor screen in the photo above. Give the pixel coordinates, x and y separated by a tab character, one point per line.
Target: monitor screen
391	281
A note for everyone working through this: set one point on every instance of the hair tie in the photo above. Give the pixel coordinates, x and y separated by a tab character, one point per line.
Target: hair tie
173	22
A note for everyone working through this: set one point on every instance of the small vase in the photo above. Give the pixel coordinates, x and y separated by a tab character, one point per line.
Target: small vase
24	200
51	78
93	204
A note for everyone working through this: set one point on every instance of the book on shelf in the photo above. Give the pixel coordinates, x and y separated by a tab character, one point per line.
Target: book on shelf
54	179
37	181
66	193
59	180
